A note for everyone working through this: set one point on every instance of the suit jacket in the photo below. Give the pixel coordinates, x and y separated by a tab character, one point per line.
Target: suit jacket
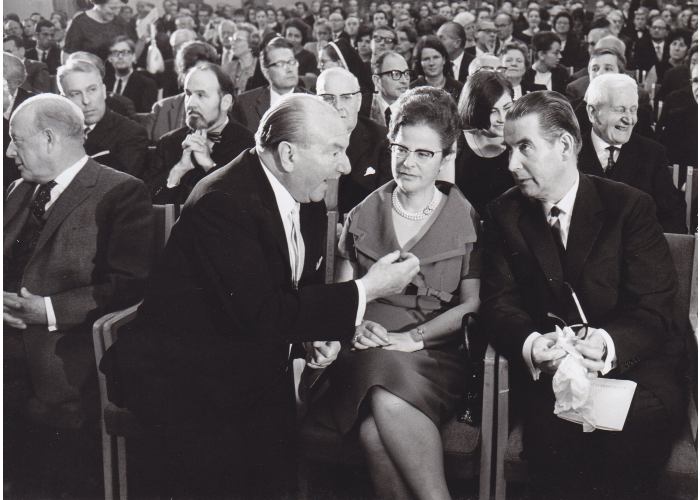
368	149
92	257
235	139
141	89
643	164
38	78
53	58
252	104
618	263
167	115
644	54
119	143
211	341
560	76
467	58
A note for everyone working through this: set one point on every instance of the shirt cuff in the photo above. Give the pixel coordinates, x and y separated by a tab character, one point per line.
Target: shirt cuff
361	302
611	358
50	315
527	355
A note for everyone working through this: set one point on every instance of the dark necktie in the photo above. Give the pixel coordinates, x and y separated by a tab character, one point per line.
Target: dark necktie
387	115
118	90
611	160
555	228
43	56
27	239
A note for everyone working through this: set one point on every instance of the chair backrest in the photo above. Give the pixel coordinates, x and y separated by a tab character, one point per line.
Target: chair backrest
691	198
682	248
331	200
675	172
164	217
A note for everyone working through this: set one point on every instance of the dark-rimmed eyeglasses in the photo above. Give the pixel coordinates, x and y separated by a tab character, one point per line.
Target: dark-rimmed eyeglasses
385	39
120	53
397	74
334	99
289	63
401	152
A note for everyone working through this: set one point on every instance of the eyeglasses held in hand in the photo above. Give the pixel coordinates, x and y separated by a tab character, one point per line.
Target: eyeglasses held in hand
289	63
584	321
396	74
334	99
401	152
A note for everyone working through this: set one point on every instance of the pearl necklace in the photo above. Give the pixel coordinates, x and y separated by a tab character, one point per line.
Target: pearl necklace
415	216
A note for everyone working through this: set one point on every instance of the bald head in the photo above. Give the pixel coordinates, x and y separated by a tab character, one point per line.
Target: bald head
486	61
340	88
13	71
54	112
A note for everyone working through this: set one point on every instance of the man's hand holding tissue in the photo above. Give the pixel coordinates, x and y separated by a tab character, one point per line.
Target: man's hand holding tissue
593	349
546	355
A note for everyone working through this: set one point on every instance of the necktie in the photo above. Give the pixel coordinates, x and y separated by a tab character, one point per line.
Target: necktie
227	56
297	247
43	196
611	159
455	71
659	51
387	115
118	88
555	227
43	56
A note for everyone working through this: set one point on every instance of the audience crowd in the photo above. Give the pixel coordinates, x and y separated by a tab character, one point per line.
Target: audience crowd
426	111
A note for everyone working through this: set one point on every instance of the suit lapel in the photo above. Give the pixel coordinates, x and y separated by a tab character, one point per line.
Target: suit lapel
588	159
262	103
586	222
16	212
73	196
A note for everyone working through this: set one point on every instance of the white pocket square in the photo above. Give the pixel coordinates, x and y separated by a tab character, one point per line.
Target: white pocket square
370	171
318	264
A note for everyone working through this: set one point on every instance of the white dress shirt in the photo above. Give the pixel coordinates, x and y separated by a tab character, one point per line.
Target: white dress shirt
544	79
601	150
274	96
456	64
286	205
566	207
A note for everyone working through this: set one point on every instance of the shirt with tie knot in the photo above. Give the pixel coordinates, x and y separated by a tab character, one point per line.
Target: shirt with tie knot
607	154
561	212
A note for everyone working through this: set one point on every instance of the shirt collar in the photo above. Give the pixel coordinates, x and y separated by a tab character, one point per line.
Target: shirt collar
458	60
285	202
275	96
66	177
599	144
566	204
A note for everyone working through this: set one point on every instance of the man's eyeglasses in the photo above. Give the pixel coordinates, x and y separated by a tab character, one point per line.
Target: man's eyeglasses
396	74
658	27
385	39
120	53
401	152
289	63
334	99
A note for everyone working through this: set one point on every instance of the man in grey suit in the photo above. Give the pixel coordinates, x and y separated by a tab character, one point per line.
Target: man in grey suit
281	70
77	244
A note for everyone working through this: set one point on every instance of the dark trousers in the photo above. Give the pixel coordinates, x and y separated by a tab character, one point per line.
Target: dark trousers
566	463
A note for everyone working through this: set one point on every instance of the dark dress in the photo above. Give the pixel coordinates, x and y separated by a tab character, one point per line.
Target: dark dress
452	86
432	379
481	179
92	36
307	62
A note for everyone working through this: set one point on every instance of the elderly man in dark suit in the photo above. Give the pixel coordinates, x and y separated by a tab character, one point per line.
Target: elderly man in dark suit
241	278
611	149
209	140
368	150
563	235
281	70
38	79
77	244
453	37
112	139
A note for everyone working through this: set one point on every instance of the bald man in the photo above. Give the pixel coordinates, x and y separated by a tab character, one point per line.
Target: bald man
241	279
368	150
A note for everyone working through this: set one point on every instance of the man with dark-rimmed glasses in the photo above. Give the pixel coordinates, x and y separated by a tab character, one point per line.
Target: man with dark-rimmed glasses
391	77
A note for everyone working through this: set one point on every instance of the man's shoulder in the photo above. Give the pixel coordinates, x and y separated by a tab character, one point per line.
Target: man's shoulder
238	132
106	178
251	95
614	195
644	146
169	102
173	136
236	178
122	126
369	129
141	79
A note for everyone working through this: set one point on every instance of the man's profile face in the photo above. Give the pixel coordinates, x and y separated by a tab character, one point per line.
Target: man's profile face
535	163
600	65
593	36
392	89
449	40
343	94
279	73
204	104
88	92
28	149
614	119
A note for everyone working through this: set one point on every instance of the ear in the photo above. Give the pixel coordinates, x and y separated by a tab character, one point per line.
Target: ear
266	73
286	152
377	84
590	111
568	145
50	137
226	102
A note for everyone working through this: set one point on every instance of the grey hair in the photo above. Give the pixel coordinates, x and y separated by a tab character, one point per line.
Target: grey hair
13	70
340	72
75	66
55	112
601	88
288	120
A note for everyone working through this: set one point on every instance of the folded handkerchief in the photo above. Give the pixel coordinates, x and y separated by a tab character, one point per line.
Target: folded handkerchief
370	171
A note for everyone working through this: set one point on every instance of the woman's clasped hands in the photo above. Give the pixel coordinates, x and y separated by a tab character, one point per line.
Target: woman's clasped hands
371	334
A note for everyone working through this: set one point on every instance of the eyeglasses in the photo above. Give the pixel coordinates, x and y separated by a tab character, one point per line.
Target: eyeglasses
502	25
289	63
401	152
584	320
658	27
397	74
334	99
120	53
385	39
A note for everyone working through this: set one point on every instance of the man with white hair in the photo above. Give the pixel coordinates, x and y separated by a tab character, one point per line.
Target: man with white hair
614	151
240	279
77	244
368	150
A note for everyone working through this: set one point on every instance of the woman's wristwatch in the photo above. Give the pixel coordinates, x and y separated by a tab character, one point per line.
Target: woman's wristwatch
418	335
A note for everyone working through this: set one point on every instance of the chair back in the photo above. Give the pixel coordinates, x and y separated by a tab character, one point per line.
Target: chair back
331	200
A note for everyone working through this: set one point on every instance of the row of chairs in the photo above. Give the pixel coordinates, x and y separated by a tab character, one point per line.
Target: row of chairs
492	452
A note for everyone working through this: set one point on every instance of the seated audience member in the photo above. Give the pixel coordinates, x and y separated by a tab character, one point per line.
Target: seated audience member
678	132
46	50
364	45
454	38
514	58
481	162
467	21
576	88
111	139
383	40
533	24
406	39
678	77
676	47
614	151
280	69
169	80
599	29
237	59
391	79
14	73
126	80
571	53
168	114
546	69
322	35
296	33
402	375
561	231
38	79
432	67
237	282
208	141
649	50
486	39
368	150
341	55
94	29
77	244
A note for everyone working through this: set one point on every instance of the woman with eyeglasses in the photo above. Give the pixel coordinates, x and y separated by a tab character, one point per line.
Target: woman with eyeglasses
481	163
433	68
513	66
402	375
